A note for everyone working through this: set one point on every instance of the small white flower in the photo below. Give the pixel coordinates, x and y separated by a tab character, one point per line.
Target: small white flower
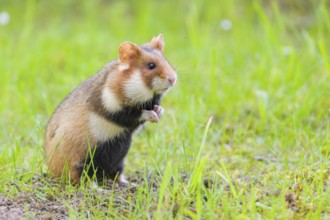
4	18
286	50
262	95
226	24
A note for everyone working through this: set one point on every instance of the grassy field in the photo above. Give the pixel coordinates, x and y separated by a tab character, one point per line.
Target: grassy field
245	133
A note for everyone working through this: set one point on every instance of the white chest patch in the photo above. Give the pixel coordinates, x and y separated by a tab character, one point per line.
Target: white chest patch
136	89
102	129
109	100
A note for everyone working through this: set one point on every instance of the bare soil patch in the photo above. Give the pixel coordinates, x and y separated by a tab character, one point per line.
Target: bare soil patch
40	203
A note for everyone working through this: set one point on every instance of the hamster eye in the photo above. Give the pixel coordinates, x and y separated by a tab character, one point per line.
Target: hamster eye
151	65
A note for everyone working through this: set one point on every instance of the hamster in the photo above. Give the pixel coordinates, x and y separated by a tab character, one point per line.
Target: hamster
91	129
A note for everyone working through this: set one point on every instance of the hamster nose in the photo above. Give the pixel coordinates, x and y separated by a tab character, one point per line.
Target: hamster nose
171	79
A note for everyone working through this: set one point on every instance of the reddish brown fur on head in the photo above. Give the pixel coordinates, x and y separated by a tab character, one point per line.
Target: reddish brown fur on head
129	52
156	73
158	43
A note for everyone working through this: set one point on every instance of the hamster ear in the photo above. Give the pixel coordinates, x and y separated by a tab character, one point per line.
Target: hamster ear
129	52
158	42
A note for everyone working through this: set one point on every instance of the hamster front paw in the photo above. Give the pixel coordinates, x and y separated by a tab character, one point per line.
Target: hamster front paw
149	116
159	110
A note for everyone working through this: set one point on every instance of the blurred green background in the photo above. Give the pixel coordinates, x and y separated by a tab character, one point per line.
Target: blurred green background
260	68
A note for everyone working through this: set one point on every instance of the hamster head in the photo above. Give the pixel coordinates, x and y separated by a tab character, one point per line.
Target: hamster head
146	68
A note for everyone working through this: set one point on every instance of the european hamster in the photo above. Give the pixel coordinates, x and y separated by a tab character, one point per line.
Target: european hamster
92	128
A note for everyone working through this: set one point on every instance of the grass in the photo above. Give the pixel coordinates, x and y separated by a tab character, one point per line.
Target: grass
245	133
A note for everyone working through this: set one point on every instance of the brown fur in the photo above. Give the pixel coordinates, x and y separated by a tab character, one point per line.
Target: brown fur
162	68
69	146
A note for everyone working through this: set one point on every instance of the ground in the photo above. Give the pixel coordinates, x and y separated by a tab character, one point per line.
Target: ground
245	133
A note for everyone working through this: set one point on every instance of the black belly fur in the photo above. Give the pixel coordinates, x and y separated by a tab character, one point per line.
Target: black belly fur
107	158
